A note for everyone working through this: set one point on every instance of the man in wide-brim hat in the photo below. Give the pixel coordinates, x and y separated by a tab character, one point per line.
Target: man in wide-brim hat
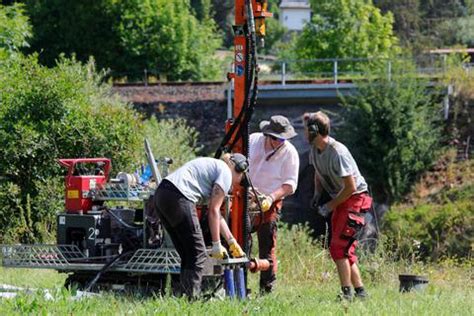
273	170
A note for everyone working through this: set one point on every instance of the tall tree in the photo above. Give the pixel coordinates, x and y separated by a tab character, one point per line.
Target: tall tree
345	28
15	29
163	35
127	35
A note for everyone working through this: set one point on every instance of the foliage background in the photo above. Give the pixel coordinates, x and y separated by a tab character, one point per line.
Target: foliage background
393	129
344	29
159	35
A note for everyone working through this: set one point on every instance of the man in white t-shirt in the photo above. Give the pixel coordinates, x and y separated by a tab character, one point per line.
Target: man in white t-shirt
175	202
273	170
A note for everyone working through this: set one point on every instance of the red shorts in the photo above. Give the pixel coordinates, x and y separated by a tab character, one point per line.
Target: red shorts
344	217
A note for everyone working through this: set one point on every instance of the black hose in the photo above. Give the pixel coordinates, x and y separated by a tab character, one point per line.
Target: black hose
104	269
122	222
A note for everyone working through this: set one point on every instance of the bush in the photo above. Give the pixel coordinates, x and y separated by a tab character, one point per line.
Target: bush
392	129
434	231
172	139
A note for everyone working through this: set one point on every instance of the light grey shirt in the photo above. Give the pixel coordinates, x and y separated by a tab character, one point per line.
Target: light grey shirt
196	178
333	164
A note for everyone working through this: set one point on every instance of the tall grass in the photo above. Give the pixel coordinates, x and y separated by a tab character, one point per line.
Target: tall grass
307	285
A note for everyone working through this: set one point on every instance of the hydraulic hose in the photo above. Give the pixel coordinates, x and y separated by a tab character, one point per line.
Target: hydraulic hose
105	268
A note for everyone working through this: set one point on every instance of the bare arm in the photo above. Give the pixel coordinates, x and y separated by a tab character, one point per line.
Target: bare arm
344	194
225	231
282	192
214	215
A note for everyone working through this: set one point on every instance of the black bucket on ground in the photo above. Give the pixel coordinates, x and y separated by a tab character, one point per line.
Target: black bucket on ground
410	282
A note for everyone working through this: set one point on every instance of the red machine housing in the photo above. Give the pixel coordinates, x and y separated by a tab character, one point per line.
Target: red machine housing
79	185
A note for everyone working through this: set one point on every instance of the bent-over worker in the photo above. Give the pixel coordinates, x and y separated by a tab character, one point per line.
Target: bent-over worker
175	201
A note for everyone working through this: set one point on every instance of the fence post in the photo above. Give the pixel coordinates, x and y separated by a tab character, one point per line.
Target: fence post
283	73
146	77
335	71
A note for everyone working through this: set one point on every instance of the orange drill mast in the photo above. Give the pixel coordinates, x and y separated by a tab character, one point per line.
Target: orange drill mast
249	25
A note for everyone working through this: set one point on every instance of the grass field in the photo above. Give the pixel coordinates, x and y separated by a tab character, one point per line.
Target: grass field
307	285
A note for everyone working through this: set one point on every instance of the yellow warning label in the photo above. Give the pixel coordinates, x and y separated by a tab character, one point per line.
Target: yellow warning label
72	194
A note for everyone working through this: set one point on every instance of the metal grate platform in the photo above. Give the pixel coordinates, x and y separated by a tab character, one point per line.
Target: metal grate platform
39	256
165	260
70	258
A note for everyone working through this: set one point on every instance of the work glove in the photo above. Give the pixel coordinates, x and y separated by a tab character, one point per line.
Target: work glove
266	202
324	210
218	251
235	249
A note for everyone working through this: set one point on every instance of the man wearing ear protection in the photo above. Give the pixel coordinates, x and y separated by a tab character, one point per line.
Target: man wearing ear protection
175	201
273	171
336	172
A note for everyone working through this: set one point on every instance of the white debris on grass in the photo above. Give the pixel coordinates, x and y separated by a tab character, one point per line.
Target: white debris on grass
10	291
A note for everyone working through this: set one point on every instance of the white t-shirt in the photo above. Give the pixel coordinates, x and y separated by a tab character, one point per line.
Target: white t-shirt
196	178
268	171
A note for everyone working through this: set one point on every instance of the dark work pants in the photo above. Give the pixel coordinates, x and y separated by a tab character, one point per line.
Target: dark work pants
180	220
267	241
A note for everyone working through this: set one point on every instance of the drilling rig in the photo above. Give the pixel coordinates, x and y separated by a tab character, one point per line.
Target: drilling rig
108	239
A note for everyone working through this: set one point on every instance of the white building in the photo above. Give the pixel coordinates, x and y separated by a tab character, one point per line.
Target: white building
294	14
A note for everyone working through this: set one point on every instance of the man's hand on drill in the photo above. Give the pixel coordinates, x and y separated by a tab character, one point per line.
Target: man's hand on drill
218	251
235	250
266	202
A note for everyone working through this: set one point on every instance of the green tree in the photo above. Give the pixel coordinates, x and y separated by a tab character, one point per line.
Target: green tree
162	35
202	9
424	24
79	28
343	28
392	129
15	29
128	36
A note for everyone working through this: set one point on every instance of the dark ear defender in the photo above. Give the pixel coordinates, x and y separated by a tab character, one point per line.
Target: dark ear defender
240	162
313	128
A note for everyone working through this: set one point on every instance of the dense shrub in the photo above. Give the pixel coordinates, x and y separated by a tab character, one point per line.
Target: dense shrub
392	128
434	231
172	139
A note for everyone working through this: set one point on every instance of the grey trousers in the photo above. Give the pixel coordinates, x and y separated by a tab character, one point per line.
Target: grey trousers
180	220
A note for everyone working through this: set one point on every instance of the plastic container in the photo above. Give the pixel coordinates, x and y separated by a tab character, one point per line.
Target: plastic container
410	282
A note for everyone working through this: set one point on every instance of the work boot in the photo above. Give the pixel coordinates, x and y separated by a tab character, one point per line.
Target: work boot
346	294
264	290
360	293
